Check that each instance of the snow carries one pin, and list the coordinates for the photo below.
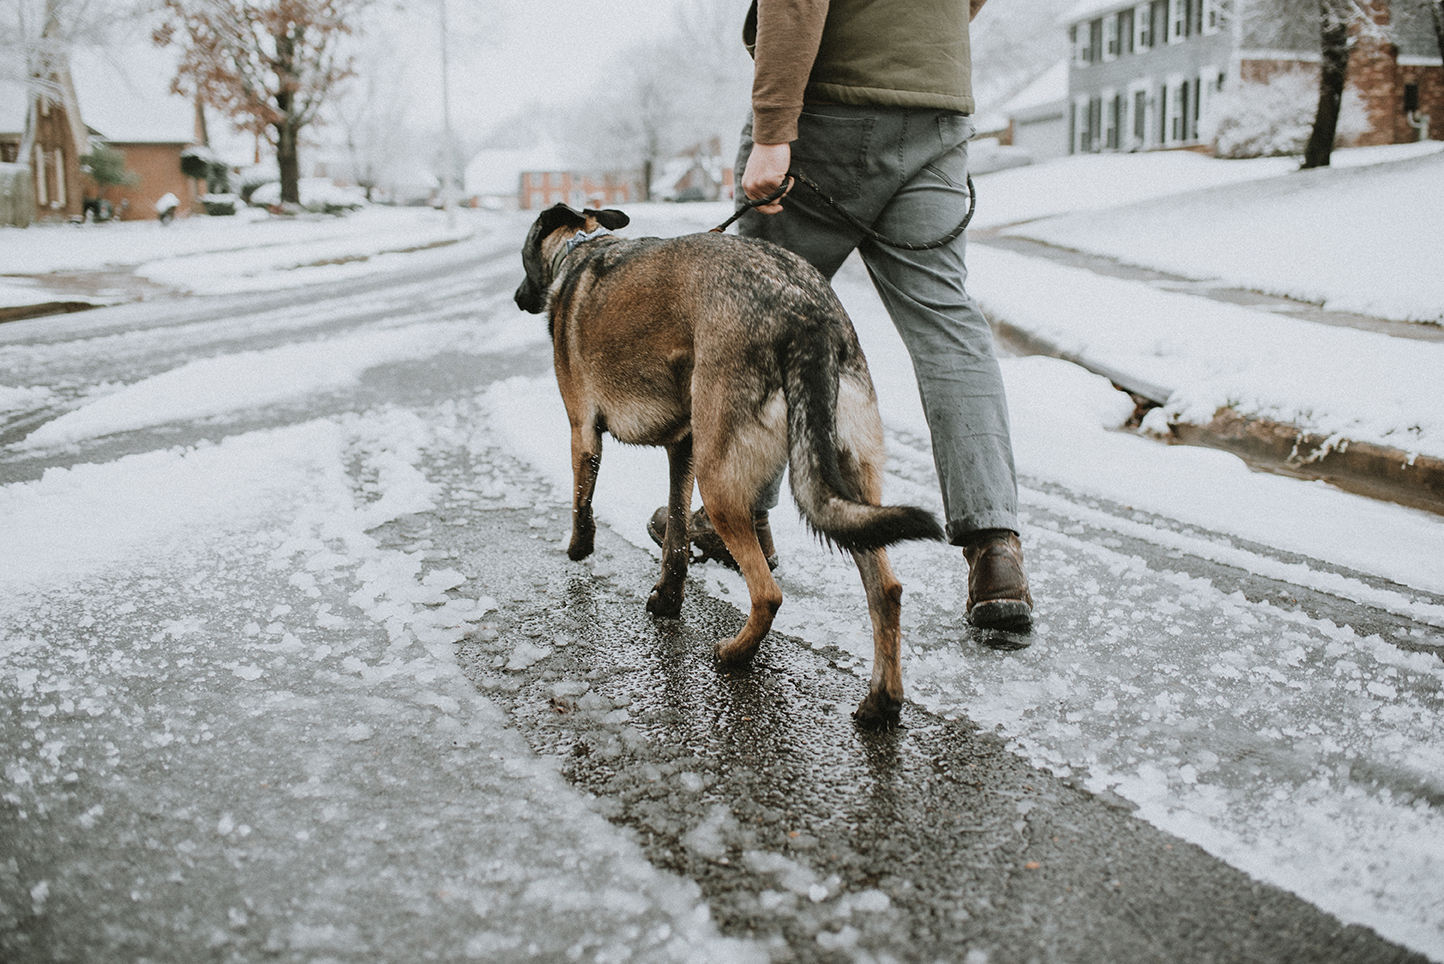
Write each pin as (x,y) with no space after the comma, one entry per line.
(1336,382)
(1302,751)
(250,251)
(1364,239)
(274,521)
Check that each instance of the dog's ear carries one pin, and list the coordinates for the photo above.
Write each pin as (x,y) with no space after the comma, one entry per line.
(560,216)
(610,219)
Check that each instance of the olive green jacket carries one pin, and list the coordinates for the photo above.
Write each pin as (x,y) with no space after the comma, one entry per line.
(891,53)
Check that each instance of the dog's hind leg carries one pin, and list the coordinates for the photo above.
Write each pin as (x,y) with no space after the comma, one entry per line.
(732,519)
(883,703)
(666,598)
(586,460)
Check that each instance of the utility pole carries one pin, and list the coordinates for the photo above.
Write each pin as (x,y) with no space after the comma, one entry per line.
(448,162)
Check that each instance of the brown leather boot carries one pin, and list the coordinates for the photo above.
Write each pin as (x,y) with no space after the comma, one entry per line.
(708,543)
(998,596)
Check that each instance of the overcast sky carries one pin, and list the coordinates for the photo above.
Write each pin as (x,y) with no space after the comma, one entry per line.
(506,54)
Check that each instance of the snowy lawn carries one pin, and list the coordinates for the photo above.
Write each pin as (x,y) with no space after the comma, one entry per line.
(250,251)
(1363,236)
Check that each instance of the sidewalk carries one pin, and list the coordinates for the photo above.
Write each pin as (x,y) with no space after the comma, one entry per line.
(1367,468)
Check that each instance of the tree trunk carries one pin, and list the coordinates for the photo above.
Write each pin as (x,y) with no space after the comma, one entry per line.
(1436,7)
(1333,69)
(289,162)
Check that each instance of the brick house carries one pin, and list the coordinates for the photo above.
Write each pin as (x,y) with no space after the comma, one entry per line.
(43,131)
(119,98)
(1142,74)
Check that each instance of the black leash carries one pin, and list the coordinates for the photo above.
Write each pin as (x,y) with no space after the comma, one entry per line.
(856,222)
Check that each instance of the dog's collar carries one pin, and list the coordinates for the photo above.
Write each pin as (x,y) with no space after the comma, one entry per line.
(571,246)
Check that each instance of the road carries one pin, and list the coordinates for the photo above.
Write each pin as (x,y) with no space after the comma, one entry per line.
(363,708)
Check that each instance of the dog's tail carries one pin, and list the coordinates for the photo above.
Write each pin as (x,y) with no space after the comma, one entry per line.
(835,442)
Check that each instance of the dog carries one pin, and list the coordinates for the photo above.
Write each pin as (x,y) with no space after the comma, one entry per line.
(736,356)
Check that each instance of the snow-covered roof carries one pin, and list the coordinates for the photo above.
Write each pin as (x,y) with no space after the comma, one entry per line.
(12,107)
(124,95)
(1088,9)
(497,172)
(1047,88)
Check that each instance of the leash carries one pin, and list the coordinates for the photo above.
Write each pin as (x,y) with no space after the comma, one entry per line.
(855,221)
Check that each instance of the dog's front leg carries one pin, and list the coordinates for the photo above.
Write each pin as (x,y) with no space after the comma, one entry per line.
(586,460)
(883,703)
(666,598)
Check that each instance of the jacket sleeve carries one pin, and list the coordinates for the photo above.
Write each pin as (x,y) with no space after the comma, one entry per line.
(788,34)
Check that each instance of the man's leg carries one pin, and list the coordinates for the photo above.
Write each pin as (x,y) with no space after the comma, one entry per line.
(956,367)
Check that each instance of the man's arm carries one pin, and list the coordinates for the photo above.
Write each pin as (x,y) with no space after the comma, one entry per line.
(788,34)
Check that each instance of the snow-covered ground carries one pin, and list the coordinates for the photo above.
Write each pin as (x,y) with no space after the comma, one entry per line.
(1361,236)
(250,251)
(1179,731)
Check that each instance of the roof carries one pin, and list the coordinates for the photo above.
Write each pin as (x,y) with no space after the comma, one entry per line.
(12,106)
(1088,9)
(494,173)
(124,95)
(1048,87)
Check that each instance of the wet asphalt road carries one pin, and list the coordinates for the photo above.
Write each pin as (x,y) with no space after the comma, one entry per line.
(976,851)
(926,843)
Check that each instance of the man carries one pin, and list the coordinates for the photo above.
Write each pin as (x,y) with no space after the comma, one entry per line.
(870,100)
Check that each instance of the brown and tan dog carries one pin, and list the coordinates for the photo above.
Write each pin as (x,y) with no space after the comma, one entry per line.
(737,357)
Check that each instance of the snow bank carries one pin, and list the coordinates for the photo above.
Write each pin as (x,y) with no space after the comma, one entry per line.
(1336,382)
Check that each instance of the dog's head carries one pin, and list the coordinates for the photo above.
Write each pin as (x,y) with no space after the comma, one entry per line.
(548,236)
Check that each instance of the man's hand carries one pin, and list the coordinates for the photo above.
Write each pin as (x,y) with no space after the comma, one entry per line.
(973,7)
(766,168)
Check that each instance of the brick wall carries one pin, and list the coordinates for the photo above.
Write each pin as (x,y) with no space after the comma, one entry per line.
(158,166)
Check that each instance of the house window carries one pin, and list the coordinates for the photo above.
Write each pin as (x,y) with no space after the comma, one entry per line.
(1411,98)
(59,158)
(1082,55)
(42,186)
(1125,31)
(1212,16)
(1176,93)
(1210,82)
(1112,107)
(1110,38)
(1142,34)
(1177,21)
(1082,136)
(1137,118)
(1095,41)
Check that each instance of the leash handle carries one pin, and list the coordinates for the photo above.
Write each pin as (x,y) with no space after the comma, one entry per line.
(856,222)
(749,204)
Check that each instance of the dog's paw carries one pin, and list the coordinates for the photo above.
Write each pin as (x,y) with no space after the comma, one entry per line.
(878,711)
(664,604)
(579,550)
(730,652)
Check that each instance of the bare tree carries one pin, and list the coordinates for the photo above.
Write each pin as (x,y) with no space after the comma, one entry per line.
(36,39)
(269,64)
(1335,44)
(1436,11)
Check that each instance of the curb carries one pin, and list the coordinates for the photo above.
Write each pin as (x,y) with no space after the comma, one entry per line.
(1375,471)
(21,312)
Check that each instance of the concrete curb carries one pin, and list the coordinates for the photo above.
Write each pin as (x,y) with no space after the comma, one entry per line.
(1364,468)
(45,308)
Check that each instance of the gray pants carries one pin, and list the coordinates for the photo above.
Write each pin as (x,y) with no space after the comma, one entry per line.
(904,172)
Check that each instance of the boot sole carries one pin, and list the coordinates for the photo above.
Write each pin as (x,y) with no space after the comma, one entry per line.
(710,548)
(1014,614)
